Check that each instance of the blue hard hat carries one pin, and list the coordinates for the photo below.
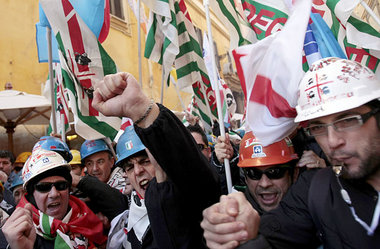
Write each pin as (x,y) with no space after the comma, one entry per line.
(129,144)
(90,147)
(17,181)
(54,144)
(240,132)
(211,140)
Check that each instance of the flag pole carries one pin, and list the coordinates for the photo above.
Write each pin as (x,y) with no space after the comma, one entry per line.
(217,93)
(162,86)
(177,90)
(370,12)
(139,40)
(63,128)
(51,77)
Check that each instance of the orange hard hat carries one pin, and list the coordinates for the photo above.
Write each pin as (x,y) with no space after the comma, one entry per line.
(253,154)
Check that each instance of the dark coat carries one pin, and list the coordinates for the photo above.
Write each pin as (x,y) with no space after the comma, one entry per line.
(294,224)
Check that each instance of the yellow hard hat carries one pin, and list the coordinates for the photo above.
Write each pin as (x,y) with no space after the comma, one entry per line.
(22,157)
(76,157)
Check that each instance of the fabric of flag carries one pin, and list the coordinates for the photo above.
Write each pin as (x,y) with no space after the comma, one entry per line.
(94,13)
(84,61)
(61,101)
(227,110)
(135,8)
(328,45)
(240,31)
(310,47)
(271,70)
(358,40)
(172,40)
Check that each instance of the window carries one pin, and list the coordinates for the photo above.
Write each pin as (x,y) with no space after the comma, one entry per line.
(116,8)
(119,20)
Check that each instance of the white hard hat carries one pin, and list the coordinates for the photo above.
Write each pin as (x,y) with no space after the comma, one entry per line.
(41,161)
(334,85)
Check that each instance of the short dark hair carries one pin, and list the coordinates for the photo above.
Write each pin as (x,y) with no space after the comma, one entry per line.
(198,129)
(7,154)
(373,105)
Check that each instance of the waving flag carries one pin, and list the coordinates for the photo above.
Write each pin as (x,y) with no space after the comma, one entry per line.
(270,71)
(83,61)
(172,40)
(94,13)
(358,40)
(240,31)
(61,100)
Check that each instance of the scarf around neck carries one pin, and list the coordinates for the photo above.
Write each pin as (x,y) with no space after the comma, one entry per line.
(80,227)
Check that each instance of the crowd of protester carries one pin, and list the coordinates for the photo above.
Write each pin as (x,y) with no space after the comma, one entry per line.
(163,185)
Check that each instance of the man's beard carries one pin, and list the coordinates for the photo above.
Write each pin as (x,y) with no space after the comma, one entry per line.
(369,165)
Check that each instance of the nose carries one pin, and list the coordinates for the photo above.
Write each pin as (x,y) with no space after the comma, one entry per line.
(138,168)
(265,182)
(335,139)
(53,192)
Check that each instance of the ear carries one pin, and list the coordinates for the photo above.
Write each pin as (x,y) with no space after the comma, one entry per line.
(296,172)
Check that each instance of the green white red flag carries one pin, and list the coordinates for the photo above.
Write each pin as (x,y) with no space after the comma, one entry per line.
(84,62)
(172,40)
(61,101)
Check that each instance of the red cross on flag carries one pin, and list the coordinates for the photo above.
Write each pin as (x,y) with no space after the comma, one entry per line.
(270,71)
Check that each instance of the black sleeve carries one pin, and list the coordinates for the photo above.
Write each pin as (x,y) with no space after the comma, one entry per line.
(175,150)
(290,225)
(110,201)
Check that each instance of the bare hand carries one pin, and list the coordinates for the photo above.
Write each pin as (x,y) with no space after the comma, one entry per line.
(230,222)
(223,148)
(310,160)
(120,95)
(19,230)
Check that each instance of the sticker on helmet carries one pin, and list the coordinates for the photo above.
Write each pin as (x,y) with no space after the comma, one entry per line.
(129,145)
(258,151)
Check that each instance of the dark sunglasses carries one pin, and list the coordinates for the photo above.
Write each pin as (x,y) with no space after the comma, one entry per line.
(44,187)
(271,173)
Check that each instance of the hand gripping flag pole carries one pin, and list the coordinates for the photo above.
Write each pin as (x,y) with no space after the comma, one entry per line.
(217,93)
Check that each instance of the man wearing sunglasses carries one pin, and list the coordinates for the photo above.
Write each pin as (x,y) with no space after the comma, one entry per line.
(269,171)
(338,206)
(48,216)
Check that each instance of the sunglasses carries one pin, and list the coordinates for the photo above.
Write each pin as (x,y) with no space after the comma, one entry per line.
(45,187)
(271,173)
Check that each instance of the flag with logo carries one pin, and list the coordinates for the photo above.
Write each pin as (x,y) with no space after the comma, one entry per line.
(358,40)
(172,40)
(61,102)
(239,29)
(84,62)
(270,71)
(94,13)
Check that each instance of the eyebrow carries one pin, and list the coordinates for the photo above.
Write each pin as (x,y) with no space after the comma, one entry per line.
(343,115)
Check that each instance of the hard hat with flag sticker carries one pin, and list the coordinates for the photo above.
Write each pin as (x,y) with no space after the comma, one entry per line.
(253,154)
(90,147)
(40,162)
(129,144)
(54,144)
(334,85)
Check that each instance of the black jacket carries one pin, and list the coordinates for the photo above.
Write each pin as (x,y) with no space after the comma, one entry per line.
(174,206)
(309,215)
